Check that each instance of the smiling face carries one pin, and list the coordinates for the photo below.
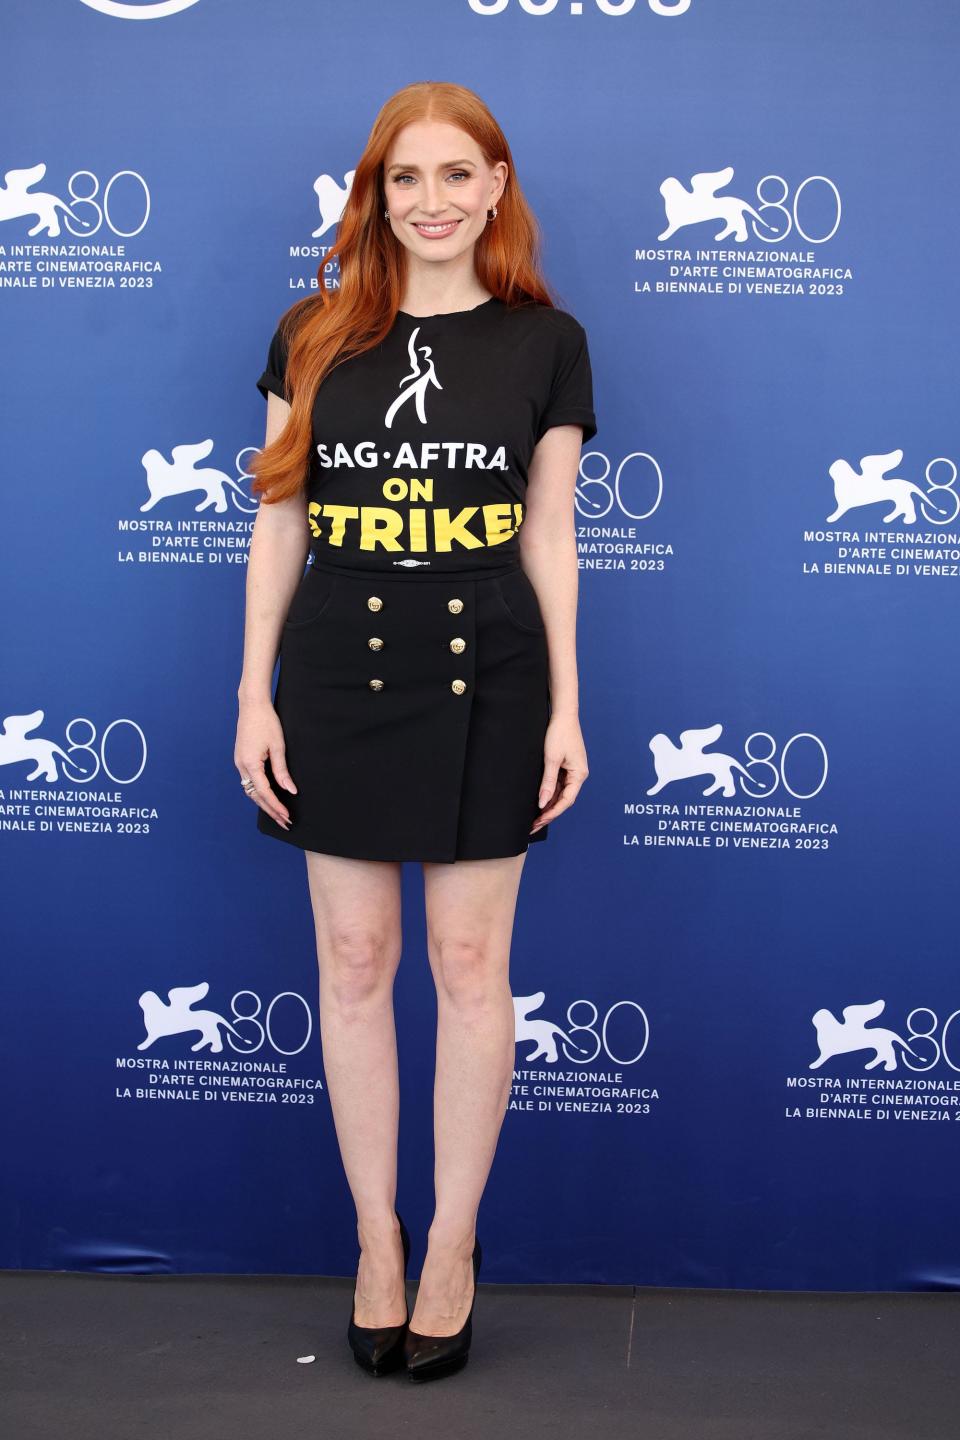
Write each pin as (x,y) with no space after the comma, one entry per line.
(438,188)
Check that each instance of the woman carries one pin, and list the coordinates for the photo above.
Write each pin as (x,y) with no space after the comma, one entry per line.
(424,427)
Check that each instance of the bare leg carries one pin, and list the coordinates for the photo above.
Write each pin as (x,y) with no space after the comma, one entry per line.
(470,909)
(356,909)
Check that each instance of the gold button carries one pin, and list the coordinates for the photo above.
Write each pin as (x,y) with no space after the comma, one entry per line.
(458,686)
(374,603)
(454,606)
(375,684)
(375,643)
(457,645)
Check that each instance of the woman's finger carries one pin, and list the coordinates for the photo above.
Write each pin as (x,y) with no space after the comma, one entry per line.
(569,791)
(262,794)
(278,764)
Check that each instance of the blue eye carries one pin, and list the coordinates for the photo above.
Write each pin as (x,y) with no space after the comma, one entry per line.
(398,178)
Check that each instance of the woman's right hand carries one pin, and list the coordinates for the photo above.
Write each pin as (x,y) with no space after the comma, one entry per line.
(259,736)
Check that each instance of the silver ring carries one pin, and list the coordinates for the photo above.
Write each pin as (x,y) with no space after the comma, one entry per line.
(248,786)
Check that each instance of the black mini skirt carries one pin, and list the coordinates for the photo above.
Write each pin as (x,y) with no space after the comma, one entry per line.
(414,709)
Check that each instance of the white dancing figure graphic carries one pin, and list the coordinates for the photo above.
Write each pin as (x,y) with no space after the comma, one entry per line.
(417,381)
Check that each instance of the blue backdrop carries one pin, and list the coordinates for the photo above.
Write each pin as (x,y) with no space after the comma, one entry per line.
(738,1043)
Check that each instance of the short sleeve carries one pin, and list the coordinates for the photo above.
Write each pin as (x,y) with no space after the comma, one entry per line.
(571,392)
(272,379)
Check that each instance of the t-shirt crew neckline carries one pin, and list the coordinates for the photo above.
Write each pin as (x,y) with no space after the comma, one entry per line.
(451,314)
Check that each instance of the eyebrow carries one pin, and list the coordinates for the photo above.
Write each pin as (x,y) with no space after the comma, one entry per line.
(444,166)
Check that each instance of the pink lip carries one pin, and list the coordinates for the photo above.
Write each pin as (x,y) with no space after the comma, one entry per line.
(426,234)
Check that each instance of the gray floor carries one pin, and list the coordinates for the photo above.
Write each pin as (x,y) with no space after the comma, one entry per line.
(99,1357)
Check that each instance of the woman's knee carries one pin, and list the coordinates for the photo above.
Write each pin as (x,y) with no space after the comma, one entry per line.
(468,970)
(358,962)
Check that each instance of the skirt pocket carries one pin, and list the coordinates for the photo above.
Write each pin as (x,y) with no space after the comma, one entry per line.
(519,600)
(311,598)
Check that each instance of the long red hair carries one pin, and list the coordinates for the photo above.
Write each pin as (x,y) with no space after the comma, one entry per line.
(333,325)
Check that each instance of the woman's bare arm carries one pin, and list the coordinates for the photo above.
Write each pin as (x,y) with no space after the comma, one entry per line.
(548,549)
(275,565)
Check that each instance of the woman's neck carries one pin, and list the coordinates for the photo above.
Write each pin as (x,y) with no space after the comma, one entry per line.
(432,293)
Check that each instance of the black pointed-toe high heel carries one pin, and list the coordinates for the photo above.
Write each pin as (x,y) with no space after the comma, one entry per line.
(379,1348)
(430,1356)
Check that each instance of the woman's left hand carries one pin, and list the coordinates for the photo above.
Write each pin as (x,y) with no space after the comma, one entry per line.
(564,768)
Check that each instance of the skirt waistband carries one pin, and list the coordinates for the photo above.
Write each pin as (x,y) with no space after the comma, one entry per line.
(416,575)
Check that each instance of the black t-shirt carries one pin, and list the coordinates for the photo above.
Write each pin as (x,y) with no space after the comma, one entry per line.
(421,445)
